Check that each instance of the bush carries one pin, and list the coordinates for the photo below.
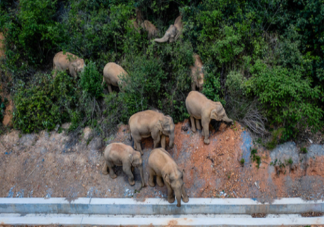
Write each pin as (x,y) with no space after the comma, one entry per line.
(288,98)
(91,80)
(44,102)
(262,59)
(3,103)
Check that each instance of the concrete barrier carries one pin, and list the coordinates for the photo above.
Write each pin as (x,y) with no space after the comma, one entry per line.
(169,220)
(152,206)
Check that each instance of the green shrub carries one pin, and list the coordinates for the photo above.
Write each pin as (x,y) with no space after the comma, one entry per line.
(304,150)
(3,103)
(44,103)
(242,161)
(263,60)
(91,80)
(255,158)
(289,99)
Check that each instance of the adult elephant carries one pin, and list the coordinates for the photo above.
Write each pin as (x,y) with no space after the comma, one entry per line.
(67,61)
(197,75)
(112,74)
(200,107)
(151,123)
(173,32)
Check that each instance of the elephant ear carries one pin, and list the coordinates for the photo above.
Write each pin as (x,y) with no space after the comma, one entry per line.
(159,125)
(75,66)
(134,159)
(166,178)
(217,113)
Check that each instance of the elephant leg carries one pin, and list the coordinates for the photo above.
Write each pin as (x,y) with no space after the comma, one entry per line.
(109,88)
(104,169)
(205,126)
(159,181)
(135,147)
(192,120)
(137,143)
(55,72)
(128,171)
(151,177)
(111,171)
(171,197)
(185,197)
(156,138)
(198,124)
(163,142)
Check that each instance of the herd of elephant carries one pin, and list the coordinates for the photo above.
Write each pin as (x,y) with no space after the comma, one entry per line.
(152,123)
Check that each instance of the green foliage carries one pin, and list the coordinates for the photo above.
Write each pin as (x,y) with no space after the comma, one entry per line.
(255,158)
(288,97)
(304,150)
(289,161)
(3,103)
(91,80)
(277,136)
(212,87)
(44,102)
(242,161)
(262,59)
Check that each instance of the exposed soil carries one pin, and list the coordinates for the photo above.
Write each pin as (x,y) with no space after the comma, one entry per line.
(49,165)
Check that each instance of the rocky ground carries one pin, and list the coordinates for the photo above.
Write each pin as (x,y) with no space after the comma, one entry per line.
(50,164)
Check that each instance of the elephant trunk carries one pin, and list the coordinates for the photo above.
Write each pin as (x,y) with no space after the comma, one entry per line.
(142,175)
(227,120)
(164,39)
(171,140)
(178,196)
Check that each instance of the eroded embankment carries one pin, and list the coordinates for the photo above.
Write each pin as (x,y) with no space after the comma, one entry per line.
(49,165)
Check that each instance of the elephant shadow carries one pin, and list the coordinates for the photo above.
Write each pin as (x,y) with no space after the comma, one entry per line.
(215,124)
(120,174)
(114,89)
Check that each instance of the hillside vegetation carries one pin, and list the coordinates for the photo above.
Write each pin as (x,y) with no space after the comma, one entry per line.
(263,59)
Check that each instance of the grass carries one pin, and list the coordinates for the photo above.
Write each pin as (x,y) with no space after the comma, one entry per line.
(304,150)
(255,158)
(242,161)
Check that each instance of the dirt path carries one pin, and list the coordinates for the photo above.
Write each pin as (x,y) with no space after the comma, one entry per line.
(47,165)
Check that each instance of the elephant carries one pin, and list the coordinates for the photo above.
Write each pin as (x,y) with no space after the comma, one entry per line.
(112,74)
(162,165)
(173,32)
(120,154)
(150,28)
(200,107)
(69,62)
(151,123)
(145,24)
(197,75)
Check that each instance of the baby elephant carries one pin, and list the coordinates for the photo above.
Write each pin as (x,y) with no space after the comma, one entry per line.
(162,165)
(122,155)
(67,61)
(151,123)
(197,75)
(112,74)
(199,107)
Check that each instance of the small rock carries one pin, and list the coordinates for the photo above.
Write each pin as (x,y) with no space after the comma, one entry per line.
(184,128)
(98,164)
(87,133)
